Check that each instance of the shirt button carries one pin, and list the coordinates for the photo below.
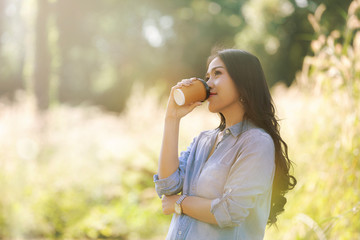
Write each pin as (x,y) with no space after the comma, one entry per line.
(180,232)
(227,131)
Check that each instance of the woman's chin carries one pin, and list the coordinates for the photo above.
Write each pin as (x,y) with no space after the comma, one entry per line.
(212,108)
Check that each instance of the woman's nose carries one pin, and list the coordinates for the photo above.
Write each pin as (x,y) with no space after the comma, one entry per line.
(210,83)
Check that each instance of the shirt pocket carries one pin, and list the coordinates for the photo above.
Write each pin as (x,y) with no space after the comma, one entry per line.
(212,180)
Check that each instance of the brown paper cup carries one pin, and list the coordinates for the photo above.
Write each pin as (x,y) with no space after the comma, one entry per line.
(197,91)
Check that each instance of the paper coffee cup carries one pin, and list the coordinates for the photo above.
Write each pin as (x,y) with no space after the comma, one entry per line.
(197,91)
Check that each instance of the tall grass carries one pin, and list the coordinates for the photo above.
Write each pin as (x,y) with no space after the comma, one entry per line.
(321,122)
(81,172)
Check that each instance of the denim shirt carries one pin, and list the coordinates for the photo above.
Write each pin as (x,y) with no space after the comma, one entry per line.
(237,177)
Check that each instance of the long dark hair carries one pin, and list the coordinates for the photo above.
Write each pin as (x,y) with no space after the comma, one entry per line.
(246,71)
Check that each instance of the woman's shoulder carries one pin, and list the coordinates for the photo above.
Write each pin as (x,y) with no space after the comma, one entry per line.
(257,135)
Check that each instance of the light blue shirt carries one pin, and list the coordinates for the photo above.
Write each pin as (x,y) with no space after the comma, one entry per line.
(237,177)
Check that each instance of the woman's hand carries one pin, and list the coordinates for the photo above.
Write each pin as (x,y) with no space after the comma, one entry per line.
(175,111)
(168,204)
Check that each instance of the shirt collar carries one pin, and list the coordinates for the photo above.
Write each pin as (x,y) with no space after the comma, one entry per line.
(240,127)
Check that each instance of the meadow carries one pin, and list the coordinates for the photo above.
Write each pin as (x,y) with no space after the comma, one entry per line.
(85,173)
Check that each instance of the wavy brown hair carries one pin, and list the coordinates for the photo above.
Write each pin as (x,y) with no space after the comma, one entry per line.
(246,71)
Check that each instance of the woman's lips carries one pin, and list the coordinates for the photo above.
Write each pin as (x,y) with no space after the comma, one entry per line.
(212,94)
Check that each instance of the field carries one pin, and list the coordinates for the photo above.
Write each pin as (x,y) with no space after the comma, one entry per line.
(84,173)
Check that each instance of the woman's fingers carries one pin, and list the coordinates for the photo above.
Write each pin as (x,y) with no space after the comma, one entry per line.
(176,111)
(168,203)
(194,105)
(185,82)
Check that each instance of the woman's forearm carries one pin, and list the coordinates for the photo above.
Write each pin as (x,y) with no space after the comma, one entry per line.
(199,208)
(168,161)
(195,207)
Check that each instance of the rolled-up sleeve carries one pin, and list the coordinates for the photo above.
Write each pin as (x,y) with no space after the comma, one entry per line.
(250,177)
(174,183)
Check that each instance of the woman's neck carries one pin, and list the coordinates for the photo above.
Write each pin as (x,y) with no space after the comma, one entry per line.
(233,115)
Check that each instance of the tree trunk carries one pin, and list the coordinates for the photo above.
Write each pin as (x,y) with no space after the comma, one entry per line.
(2,13)
(64,26)
(42,56)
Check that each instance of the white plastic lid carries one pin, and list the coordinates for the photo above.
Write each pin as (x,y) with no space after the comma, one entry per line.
(179,97)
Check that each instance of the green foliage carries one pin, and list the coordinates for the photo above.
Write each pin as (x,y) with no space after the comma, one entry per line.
(278,31)
(323,130)
(99,49)
(79,172)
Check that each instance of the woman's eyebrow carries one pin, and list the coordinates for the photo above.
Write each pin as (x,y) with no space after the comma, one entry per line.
(214,68)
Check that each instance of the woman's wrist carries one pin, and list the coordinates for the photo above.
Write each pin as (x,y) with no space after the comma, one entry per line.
(170,118)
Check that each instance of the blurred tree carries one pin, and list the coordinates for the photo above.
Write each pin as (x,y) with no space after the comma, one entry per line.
(104,47)
(99,53)
(102,52)
(11,50)
(278,31)
(198,26)
(76,57)
(2,5)
(42,56)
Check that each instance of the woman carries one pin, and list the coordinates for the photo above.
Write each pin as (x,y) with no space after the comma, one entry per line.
(232,179)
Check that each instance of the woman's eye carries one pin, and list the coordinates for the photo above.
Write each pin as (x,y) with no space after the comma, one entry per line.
(216,73)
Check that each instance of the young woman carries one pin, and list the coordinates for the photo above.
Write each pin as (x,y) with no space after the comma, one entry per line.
(232,179)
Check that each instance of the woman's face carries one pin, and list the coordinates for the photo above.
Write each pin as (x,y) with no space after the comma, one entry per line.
(223,92)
